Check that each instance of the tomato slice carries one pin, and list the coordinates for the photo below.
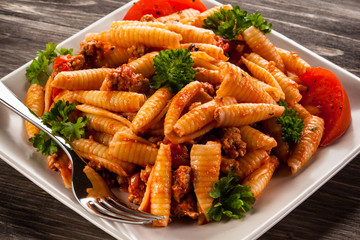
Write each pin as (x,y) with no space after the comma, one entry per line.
(60,63)
(159,8)
(326,93)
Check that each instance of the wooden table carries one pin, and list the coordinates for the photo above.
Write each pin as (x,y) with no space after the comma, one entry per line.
(326,27)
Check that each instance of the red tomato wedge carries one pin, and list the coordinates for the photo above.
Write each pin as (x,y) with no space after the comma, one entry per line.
(159,8)
(326,93)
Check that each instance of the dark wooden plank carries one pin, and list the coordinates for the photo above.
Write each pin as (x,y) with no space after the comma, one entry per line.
(327,27)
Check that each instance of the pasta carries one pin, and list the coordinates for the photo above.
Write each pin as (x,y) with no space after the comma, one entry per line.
(169,148)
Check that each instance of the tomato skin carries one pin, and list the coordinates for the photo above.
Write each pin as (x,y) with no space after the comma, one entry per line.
(159,8)
(60,63)
(326,92)
(179,5)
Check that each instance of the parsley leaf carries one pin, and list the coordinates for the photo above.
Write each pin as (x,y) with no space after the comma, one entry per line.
(230,198)
(291,124)
(39,66)
(231,23)
(44,144)
(174,69)
(58,120)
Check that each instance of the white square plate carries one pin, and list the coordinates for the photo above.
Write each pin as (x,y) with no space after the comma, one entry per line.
(283,194)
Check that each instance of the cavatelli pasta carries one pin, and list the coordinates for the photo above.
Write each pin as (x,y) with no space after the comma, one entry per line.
(237,83)
(150,110)
(250,162)
(178,103)
(115,56)
(259,179)
(133,152)
(245,113)
(129,35)
(35,101)
(203,60)
(99,186)
(210,76)
(161,181)
(255,139)
(89,79)
(288,86)
(260,44)
(205,165)
(212,50)
(293,62)
(48,94)
(127,134)
(309,142)
(272,91)
(103,124)
(98,152)
(191,34)
(174,138)
(144,64)
(117,101)
(102,112)
(200,116)
(263,75)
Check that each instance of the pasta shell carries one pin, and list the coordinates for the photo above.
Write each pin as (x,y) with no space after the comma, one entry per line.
(237,83)
(205,165)
(245,113)
(161,182)
(309,142)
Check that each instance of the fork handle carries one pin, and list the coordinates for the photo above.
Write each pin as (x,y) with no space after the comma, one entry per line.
(8,99)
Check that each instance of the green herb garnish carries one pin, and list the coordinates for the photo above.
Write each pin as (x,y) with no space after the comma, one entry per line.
(58,120)
(231,23)
(39,66)
(291,124)
(230,198)
(174,69)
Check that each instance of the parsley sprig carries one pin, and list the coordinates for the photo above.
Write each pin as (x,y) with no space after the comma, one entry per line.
(39,66)
(231,23)
(174,69)
(291,124)
(231,199)
(58,120)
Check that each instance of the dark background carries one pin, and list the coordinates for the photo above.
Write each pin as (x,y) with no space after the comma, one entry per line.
(329,28)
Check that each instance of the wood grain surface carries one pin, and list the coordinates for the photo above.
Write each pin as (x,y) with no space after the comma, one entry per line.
(330,28)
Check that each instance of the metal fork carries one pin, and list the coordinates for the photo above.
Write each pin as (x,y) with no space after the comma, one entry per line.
(105,207)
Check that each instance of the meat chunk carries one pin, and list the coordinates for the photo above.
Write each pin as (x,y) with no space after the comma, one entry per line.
(136,189)
(181,182)
(186,207)
(145,173)
(222,43)
(93,52)
(124,78)
(232,144)
(208,88)
(179,155)
(227,164)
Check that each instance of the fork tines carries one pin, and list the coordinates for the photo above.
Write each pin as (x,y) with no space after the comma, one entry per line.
(108,208)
